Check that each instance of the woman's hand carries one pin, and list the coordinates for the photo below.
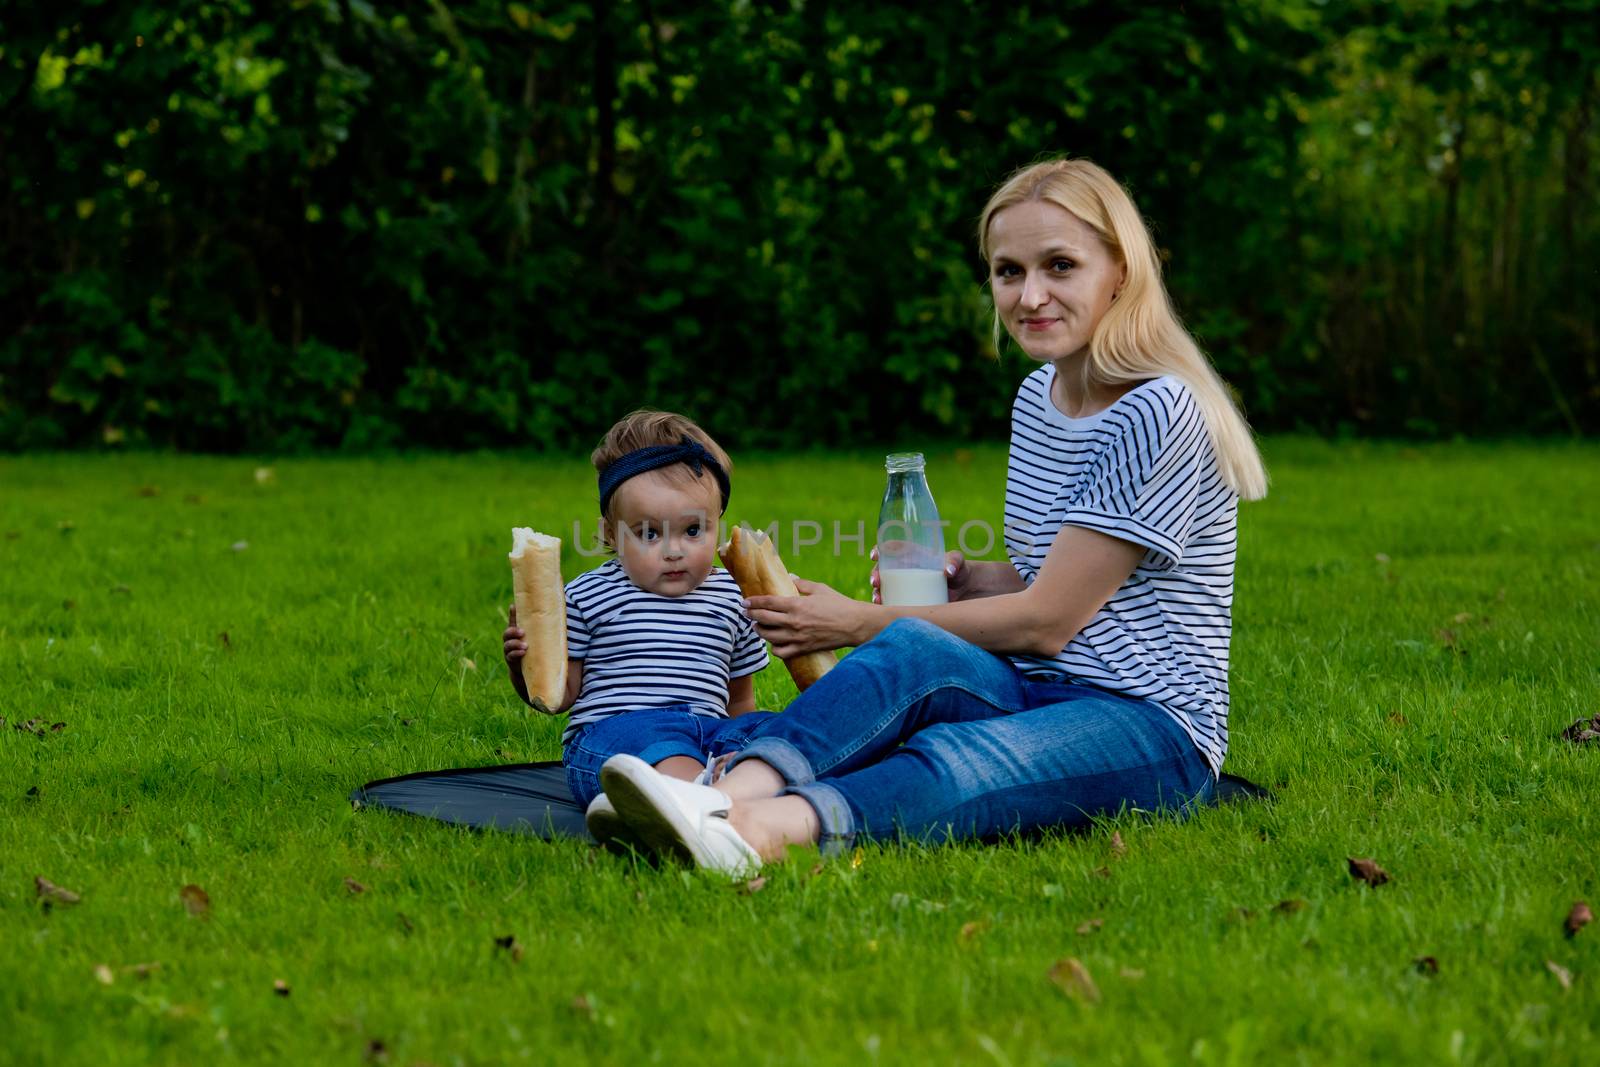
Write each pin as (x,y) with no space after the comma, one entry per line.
(820,619)
(957,575)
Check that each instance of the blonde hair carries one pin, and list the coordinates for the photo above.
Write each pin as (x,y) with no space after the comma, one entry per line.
(646,428)
(1140,336)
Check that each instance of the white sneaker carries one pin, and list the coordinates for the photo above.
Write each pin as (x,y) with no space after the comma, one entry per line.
(679,818)
(606,827)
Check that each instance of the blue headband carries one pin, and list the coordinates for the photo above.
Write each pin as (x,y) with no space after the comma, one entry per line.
(640,460)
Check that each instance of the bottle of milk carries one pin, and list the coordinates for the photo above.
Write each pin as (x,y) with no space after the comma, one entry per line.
(910,538)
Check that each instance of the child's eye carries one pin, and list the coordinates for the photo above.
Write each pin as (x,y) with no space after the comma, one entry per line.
(648,533)
(692,530)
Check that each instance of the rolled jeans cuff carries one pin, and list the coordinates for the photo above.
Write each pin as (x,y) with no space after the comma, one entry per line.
(778,754)
(837,822)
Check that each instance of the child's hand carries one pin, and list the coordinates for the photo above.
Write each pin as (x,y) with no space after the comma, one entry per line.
(515,648)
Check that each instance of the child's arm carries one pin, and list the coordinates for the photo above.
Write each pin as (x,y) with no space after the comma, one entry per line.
(574,683)
(741,695)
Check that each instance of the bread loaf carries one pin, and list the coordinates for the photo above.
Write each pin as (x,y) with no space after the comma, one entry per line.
(754,563)
(541,615)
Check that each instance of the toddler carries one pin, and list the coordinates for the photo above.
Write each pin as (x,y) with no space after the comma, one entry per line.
(661,653)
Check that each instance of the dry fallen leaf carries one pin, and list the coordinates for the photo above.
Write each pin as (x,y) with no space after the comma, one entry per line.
(1132,974)
(280,987)
(1101,872)
(971,930)
(1398,719)
(103,975)
(149,490)
(511,945)
(1461,618)
(141,970)
(1118,847)
(753,886)
(815,870)
(195,899)
(583,1005)
(1563,975)
(1073,979)
(1447,637)
(1288,907)
(1089,926)
(1426,965)
(353,887)
(51,893)
(1579,917)
(1365,870)
(1583,731)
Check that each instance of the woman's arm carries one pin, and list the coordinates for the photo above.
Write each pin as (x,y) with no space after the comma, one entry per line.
(1082,571)
(741,695)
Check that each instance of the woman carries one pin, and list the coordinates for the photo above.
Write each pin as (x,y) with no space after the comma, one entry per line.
(1086,675)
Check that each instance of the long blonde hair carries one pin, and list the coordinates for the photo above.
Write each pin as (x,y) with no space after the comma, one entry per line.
(1139,337)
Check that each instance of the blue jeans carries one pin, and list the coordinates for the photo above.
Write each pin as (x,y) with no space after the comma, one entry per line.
(652,734)
(919,733)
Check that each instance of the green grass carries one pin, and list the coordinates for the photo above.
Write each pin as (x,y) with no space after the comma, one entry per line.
(368,585)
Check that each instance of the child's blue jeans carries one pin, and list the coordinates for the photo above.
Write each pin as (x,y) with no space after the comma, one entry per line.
(652,734)
(920,733)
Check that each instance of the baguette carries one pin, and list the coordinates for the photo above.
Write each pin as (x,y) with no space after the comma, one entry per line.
(542,615)
(754,563)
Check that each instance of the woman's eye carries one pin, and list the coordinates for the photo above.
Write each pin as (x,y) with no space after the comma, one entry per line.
(1008,270)
(1062,265)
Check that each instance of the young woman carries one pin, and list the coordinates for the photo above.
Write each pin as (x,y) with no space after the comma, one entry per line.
(1087,674)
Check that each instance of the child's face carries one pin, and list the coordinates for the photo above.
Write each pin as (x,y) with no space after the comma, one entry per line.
(665,533)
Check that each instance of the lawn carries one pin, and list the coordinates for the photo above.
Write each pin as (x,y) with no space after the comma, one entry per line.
(233,644)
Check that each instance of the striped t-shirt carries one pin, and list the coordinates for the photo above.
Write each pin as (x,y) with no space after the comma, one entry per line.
(644,650)
(1142,470)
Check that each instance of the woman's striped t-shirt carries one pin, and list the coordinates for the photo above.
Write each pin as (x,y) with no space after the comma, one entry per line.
(643,650)
(1142,470)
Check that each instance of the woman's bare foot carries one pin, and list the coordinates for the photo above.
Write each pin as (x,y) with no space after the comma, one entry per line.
(772,824)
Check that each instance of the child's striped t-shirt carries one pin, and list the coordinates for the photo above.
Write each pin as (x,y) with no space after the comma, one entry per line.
(643,650)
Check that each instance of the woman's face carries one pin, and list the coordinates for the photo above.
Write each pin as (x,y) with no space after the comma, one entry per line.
(1051,276)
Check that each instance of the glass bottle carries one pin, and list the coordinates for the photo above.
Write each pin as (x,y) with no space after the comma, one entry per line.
(910,537)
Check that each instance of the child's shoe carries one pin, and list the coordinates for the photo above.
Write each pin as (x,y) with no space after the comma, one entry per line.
(607,828)
(677,818)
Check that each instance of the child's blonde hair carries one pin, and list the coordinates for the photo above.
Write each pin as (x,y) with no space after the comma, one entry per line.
(1140,336)
(647,428)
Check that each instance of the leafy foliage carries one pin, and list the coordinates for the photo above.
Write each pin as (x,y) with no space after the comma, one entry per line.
(231,224)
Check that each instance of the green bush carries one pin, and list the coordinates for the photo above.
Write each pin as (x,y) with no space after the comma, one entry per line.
(235,225)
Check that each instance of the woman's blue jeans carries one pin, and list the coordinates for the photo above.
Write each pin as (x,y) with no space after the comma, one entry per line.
(919,733)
